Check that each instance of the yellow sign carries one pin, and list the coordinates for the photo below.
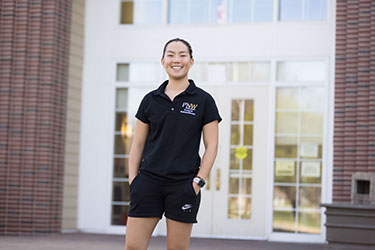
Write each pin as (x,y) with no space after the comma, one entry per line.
(241,152)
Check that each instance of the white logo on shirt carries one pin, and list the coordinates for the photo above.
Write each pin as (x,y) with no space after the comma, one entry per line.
(189,108)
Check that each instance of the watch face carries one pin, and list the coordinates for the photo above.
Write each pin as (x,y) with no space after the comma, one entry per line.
(199,181)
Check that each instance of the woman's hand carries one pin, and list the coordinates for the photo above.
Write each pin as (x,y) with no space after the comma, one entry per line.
(131,179)
(196,187)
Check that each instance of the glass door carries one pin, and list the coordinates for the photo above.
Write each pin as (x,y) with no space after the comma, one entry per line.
(239,193)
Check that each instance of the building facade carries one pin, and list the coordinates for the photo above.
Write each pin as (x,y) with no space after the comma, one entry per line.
(270,67)
(293,81)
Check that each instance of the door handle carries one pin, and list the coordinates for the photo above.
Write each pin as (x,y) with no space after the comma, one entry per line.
(218,179)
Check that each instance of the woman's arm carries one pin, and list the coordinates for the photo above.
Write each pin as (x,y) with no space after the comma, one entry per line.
(136,150)
(210,140)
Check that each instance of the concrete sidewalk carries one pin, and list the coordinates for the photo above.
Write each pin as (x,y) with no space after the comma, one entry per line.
(82,241)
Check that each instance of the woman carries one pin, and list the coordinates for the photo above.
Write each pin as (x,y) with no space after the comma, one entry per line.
(165,170)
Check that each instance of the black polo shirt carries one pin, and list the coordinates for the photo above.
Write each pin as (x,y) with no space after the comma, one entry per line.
(171,151)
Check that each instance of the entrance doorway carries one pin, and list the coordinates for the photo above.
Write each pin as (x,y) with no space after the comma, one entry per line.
(234,203)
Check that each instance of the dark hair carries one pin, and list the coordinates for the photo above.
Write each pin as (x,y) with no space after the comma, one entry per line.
(179,40)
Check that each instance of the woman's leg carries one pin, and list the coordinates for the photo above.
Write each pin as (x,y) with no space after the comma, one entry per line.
(138,232)
(178,235)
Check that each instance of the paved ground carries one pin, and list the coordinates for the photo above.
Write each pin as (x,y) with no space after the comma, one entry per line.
(81,241)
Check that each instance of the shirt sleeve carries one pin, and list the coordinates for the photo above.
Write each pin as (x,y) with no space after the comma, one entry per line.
(211,113)
(141,113)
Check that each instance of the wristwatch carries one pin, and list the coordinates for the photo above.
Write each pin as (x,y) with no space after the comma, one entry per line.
(199,181)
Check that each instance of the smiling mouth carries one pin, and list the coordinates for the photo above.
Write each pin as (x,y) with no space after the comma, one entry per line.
(177,67)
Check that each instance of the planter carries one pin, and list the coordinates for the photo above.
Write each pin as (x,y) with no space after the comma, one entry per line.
(350,223)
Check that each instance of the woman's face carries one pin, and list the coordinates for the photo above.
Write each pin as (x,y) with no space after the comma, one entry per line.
(177,61)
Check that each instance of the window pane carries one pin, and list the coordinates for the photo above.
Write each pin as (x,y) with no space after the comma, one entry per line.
(127,12)
(245,208)
(235,135)
(239,11)
(309,197)
(248,161)
(310,147)
(284,197)
(248,135)
(120,191)
(311,123)
(301,71)
(312,99)
(249,110)
(217,11)
(233,207)
(315,10)
(178,11)
(234,161)
(122,144)
(217,72)
(246,186)
(287,98)
(234,183)
(198,72)
(284,221)
(238,72)
(263,10)
(122,99)
(121,167)
(137,72)
(198,11)
(121,121)
(260,71)
(287,122)
(310,172)
(119,215)
(285,171)
(148,12)
(286,147)
(290,10)
(122,72)
(309,223)
(236,109)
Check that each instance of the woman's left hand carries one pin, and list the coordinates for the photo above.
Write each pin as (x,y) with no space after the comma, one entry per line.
(196,187)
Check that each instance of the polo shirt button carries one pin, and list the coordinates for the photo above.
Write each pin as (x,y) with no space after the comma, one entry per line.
(172,109)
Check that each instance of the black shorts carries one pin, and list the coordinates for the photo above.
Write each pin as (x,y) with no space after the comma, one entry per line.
(152,198)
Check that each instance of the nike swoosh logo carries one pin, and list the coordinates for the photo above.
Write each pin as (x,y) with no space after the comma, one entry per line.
(186,206)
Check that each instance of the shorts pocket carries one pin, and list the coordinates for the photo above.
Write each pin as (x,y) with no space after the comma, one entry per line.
(192,190)
(134,181)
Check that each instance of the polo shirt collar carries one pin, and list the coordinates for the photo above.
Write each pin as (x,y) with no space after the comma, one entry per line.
(191,89)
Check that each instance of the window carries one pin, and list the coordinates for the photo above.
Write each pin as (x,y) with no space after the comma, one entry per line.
(204,72)
(298,160)
(231,72)
(141,11)
(134,72)
(122,72)
(219,11)
(120,182)
(297,10)
(241,159)
(301,71)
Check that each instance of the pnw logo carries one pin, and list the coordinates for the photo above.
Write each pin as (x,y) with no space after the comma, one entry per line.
(186,208)
(189,108)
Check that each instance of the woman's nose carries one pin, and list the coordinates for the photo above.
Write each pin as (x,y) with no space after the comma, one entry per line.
(176,58)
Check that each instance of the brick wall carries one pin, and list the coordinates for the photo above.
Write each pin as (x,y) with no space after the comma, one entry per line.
(354,127)
(73,118)
(34,50)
